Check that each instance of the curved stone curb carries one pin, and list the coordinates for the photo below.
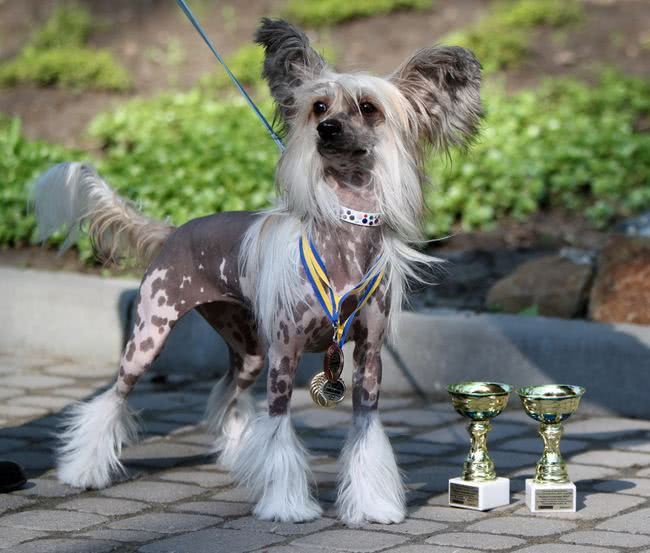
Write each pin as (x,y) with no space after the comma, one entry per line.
(86,318)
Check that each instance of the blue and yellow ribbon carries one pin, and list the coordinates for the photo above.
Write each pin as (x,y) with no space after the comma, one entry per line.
(327,297)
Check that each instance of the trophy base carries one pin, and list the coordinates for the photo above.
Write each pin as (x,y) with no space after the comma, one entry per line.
(545,498)
(479,496)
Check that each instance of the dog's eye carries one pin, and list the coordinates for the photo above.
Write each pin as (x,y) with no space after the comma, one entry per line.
(320,108)
(367,108)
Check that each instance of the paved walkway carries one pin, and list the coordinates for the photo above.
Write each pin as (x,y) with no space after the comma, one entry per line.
(177,499)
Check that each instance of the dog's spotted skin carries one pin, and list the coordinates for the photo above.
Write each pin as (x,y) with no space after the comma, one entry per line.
(198,269)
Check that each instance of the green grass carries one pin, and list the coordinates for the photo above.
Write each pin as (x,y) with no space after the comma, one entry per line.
(317,13)
(501,39)
(56,55)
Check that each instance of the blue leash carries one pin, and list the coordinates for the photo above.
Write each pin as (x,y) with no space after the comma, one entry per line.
(186,9)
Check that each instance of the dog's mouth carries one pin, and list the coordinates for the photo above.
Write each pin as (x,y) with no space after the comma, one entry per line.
(329,149)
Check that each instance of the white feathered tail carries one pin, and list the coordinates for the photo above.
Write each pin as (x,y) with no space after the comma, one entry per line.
(73,195)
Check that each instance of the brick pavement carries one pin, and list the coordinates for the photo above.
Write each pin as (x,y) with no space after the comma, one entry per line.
(178,500)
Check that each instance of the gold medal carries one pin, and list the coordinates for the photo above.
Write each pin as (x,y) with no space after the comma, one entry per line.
(326,393)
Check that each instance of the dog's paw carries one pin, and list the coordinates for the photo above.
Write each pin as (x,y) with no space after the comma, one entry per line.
(380,514)
(282,511)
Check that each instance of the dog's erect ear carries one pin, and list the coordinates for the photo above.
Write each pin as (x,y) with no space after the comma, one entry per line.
(288,62)
(443,85)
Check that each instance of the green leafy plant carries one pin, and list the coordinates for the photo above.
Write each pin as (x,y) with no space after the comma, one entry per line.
(568,145)
(67,26)
(71,67)
(21,160)
(56,55)
(318,13)
(188,154)
(501,39)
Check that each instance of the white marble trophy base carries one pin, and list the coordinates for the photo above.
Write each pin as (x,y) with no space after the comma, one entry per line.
(550,498)
(479,496)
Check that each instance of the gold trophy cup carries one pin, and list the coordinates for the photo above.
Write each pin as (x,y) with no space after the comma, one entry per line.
(550,405)
(478,486)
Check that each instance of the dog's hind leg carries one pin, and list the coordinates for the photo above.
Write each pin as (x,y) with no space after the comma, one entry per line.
(370,485)
(91,443)
(231,407)
(273,463)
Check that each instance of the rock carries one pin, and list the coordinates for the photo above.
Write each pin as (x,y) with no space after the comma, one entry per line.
(635,226)
(621,291)
(558,286)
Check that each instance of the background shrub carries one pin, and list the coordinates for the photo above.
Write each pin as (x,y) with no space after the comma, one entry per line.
(501,38)
(56,55)
(569,145)
(21,161)
(328,12)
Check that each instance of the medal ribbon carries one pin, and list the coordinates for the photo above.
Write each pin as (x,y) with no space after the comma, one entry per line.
(331,303)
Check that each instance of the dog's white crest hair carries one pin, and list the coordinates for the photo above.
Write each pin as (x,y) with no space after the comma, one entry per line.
(70,195)
(91,443)
(273,465)
(269,257)
(227,416)
(370,486)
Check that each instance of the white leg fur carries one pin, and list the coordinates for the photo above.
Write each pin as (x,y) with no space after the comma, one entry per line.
(370,485)
(90,444)
(273,465)
(227,417)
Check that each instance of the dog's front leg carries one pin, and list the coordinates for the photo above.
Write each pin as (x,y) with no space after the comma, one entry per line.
(272,461)
(370,485)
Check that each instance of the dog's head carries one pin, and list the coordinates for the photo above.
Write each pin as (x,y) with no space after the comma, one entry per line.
(357,132)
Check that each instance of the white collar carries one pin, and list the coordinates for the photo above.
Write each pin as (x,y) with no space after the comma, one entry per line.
(361,218)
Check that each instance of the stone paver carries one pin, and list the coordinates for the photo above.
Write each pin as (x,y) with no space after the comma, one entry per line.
(522,527)
(165,523)
(59,521)
(216,540)
(476,541)
(155,492)
(180,500)
(64,546)
(10,502)
(618,459)
(416,527)
(603,538)
(637,522)
(9,537)
(210,479)
(430,549)
(353,541)
(43,487)
(633,486)
(103,506)
(127,536)
(252,524)
(593,506)
(563,548)
(217,508)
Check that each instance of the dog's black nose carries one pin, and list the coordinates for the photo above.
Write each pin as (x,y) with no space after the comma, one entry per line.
(329,129)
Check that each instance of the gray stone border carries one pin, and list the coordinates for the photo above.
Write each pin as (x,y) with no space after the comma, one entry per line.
(85,318)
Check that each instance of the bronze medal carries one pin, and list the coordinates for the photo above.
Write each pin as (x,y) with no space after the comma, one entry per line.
(333,362)
(326,393)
